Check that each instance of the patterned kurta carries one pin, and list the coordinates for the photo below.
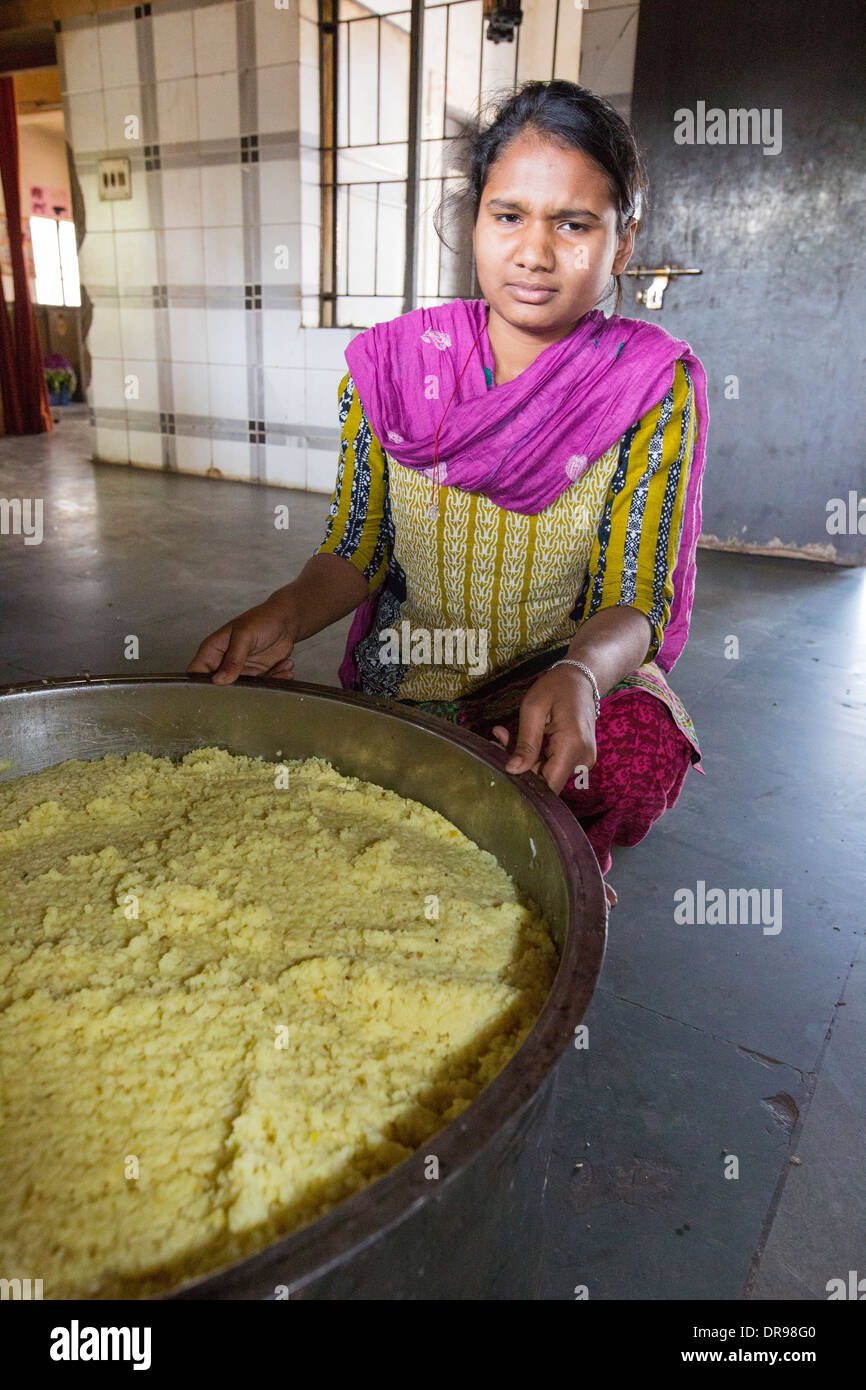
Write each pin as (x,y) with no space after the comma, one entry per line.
(475,589)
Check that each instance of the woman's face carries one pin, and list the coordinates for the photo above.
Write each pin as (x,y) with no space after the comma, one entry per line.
(547,219)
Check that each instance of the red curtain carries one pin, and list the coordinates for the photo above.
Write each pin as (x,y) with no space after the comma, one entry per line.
(25,394)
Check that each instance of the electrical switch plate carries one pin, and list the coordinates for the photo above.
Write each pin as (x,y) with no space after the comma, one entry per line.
(115,180)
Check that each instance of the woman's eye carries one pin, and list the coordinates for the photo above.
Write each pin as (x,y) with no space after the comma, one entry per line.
(579,226)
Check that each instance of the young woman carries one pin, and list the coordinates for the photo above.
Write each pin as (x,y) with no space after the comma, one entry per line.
(522,475)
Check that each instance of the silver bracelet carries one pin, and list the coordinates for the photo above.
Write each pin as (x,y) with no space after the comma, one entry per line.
(567,661)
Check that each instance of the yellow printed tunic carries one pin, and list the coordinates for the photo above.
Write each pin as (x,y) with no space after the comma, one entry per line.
(514,585)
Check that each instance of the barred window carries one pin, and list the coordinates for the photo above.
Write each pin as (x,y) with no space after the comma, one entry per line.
(399,78)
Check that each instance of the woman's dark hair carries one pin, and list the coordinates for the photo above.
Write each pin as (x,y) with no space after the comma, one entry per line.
(556,110)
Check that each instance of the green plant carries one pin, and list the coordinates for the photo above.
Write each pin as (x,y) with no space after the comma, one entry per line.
(58,377)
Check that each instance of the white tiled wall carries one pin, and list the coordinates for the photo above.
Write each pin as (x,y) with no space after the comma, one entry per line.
(179,375)
(173,44)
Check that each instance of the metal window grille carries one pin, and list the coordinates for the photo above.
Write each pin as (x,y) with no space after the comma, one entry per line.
(399,77)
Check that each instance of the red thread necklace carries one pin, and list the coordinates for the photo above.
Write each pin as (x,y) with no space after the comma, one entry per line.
(433,509)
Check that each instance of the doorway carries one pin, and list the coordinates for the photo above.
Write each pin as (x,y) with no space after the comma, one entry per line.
(50,235)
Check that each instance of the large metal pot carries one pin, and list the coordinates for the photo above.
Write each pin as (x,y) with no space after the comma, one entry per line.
(475,1231)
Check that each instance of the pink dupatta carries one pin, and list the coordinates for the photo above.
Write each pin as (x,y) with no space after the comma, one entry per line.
(523,443)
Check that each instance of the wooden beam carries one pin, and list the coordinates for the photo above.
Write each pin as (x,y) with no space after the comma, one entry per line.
(33,47)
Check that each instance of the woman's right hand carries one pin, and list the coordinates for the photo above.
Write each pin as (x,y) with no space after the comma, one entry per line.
(258,642)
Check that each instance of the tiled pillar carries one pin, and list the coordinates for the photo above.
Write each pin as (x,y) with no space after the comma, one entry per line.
(199,281)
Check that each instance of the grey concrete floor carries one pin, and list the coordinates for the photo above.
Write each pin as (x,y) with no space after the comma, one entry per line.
(705,1040)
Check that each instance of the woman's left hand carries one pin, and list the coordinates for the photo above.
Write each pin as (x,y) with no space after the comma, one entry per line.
(556,731)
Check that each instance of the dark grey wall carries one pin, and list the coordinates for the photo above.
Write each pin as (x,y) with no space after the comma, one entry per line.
(780,239)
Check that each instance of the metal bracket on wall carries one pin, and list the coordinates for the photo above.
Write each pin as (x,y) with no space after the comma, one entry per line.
(653,296)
